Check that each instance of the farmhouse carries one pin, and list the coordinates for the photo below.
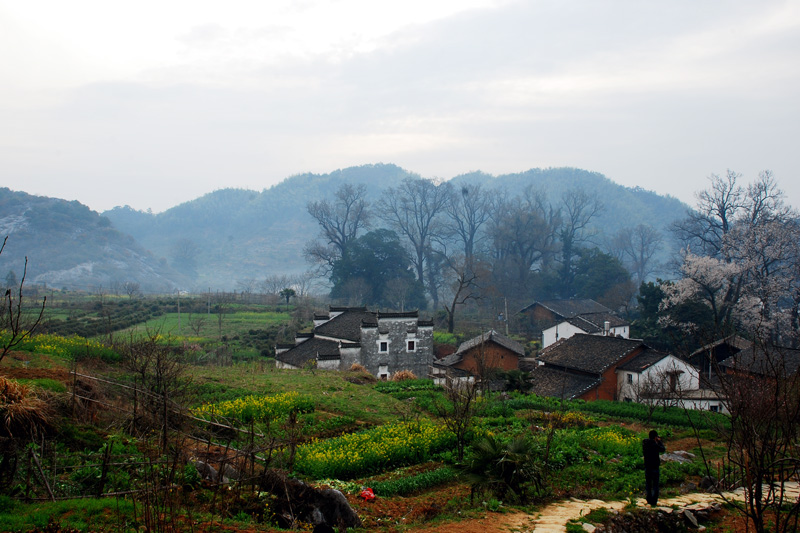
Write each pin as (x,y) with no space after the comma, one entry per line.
(561,319)
(658,378)
(477,356)
(384,343)
(583,366)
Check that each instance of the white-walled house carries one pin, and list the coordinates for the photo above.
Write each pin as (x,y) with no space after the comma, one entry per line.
(609,325)
(562,319)
(659,377)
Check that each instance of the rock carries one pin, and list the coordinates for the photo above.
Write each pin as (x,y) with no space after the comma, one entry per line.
(690,518)
(589,527)
(708,483)
(230,472)
(688,487)
(206,471)
(675,458)
(315,506)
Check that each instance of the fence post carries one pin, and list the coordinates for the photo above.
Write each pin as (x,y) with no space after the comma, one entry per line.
(41,473)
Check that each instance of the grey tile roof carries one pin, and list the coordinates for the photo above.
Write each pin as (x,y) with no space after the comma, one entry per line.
(773,361)
(571,308)
(588,353)
(547,381)
(492,336)
(449,360)
(308,350)
(595,322)
(643,361)
(346,326)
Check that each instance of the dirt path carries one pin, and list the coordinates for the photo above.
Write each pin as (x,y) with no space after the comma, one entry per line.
(554,517)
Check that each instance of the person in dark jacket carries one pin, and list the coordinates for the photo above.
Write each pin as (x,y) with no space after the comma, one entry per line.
(651,448)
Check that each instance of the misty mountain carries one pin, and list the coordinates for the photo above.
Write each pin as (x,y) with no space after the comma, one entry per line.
(236,234)
(69,245)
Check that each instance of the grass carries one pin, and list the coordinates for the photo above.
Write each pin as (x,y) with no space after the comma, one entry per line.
(233,324)
(47,384)
(78,514)
(331,392)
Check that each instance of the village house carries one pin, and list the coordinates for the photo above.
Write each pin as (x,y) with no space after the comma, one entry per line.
(708,357)
(583,367)
(659,378)
(591,367)
(477,357)
(561,319)
(384,343)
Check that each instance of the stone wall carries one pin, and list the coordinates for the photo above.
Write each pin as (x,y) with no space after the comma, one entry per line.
(394,335)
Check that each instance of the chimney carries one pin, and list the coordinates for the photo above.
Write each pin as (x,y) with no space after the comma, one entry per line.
(606,327)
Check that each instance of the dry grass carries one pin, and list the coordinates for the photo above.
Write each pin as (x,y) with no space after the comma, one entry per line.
(403,375)
(355,367)
(22,412)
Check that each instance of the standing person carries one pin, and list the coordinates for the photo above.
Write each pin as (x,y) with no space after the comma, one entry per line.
(651,448)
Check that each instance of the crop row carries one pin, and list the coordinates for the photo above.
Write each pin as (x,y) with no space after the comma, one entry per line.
(373,450)
(256,408)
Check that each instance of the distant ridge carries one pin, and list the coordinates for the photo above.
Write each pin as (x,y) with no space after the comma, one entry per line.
(236,234)
(245,234)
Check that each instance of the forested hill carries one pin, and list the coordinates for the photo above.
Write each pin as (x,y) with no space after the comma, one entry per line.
(69,245)
(234,234)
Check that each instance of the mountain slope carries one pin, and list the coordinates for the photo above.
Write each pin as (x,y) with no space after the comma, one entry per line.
(69,245)
(236,234)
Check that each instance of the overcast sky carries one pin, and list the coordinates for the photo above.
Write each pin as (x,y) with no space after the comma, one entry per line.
(153,103)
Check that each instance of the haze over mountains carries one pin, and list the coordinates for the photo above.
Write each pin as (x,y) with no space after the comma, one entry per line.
(235,234)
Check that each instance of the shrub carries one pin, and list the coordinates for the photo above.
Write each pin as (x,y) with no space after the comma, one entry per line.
(355,367)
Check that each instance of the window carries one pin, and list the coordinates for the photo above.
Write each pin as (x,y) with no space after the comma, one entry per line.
(713,408)
(630,378)
(383,346)
(628,400)
(411,346)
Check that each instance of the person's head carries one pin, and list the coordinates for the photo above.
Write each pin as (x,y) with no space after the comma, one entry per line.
(653,434)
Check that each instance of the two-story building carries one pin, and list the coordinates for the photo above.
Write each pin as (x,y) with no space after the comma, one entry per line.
(384,343)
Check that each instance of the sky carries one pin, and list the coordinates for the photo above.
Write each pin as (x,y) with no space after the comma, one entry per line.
(155,103)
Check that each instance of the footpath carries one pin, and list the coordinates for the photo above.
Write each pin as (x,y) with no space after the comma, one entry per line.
(553,518)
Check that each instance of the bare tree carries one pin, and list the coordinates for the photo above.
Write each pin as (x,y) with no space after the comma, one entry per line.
(464,276)
(523,233)
(196,322)
(578,208)
(18,322)
(457,409)
(131,288)
(222,306)
(414,209)
(275,283)
(339,223)
(247,286)
(304,283)
(636,248)
(468,210)
(761,391)
(160,376)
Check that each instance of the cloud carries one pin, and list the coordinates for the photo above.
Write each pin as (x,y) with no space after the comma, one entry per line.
(657,95)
